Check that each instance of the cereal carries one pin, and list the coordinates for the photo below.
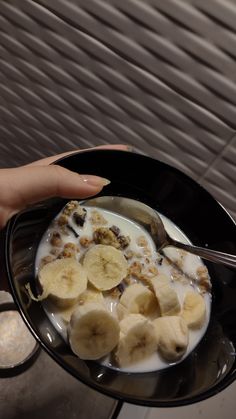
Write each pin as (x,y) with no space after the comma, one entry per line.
(135,269)
(147,251)
(67,253)
(62,220)
(85,241)
(56,239)
(178,276)
(202,272)
(124,241)
(110,237)
(153,270)
(103,235)
(203,279)
(115,230)
(147,274)
(70,207)
(79,216)
(179,263)
(129,254)
(72,247)
(142,241)
(97,218)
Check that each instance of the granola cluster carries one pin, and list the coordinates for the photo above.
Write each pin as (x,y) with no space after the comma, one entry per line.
(203,279)
(142,271)
(85,241)
(56,239)
(70,207)
(79,216)
(142,242)
(97,218)
(111,237)
(70,251)
(177,275)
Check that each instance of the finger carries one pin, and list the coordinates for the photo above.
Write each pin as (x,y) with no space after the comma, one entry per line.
(27,185)
(49,160)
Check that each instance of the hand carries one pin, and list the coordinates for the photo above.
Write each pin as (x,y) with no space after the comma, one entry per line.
(34,182)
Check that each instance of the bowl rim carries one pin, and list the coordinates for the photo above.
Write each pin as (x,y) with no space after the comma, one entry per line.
(111,393)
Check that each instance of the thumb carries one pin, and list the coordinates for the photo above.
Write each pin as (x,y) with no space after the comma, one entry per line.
(29,184)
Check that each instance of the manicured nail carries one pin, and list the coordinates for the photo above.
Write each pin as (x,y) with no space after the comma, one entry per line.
(95,180)
(105,181)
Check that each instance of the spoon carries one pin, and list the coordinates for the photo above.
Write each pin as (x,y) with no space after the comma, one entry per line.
(150,220)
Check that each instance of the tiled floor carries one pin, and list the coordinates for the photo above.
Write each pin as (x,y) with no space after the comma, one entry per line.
(46,391)
(219,178)
(217,407)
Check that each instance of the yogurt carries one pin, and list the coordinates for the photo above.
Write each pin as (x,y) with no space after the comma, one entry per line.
(169,264)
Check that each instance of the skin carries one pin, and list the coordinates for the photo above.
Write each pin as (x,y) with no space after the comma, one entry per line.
(34,182)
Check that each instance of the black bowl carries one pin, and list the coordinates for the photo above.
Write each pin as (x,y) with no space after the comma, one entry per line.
(212,365)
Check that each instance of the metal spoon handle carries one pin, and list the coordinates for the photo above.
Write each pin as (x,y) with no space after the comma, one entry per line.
(150,220)
(212,255)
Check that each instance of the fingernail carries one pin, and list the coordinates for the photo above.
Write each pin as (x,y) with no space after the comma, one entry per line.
(105,181)
(95,180)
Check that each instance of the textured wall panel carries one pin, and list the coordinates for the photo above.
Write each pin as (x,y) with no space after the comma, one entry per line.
(220,178)
(159,75)
(154,43)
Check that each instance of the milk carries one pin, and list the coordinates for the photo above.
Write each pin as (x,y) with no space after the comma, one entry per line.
(133,230)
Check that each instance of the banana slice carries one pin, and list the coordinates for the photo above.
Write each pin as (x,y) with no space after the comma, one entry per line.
(63,280)
(166,295)
(194,310)
(137,340)
(93,331)
(106,266)
(90,295)
(137,299)
(172,337)
(66,312)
